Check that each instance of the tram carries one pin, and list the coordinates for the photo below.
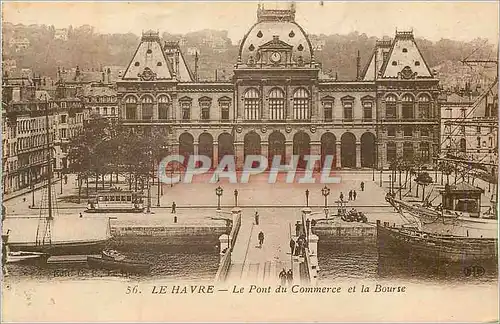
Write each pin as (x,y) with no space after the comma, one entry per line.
(116,201)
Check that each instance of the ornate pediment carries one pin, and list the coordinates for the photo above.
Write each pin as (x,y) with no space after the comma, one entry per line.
(407,73)
(147,75)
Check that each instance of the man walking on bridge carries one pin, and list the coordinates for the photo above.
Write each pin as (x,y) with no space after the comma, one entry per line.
(261,238)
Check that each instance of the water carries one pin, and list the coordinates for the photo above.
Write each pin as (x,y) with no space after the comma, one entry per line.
(362,261)
(351,261)
(167,262)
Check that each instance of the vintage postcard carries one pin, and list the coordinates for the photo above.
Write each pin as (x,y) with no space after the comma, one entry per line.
(317,161)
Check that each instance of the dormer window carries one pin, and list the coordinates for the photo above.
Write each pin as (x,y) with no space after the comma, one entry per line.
(251,48)
(137,64)
(158,64)
(417,63)
(405,50)
(300,48)
(292,34)
(149,51)
(259,34)
(394,63)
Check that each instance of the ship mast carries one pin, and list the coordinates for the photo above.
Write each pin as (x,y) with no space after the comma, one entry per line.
(49,160)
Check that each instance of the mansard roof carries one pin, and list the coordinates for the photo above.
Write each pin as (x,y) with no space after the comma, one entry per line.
(400,58)
(178,62)
(149,61)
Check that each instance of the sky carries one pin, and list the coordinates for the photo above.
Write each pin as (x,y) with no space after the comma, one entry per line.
(431,20)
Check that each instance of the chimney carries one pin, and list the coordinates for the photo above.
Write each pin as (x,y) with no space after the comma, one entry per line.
(108,72)
(358,66)
(196,66)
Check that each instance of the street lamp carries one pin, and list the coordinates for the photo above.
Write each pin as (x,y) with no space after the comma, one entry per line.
(325,191)
(390,184)
(307,197)
(235,197)
(218,192)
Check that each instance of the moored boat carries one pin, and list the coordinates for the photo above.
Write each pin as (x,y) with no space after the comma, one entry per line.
(112,260)
(27,257)
(427,245)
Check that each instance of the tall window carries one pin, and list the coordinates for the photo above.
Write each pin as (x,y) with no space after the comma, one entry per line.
(407,106)
(328,110)
(391,131)
(185,109)
(425,153)
(252,104)
(276,104)
(131,107)
(301,104)
(424,106)
(163,107)
(348,115)
(391,151)
(367,110)
(147,107)
(408,151)
(224,109)
(205,104)
(390,107)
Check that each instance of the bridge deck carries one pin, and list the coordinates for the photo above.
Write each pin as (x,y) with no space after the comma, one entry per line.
(251,263)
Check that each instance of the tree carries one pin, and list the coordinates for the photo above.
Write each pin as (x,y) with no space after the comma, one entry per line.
(423,179)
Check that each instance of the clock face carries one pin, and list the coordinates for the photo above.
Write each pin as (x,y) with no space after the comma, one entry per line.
(275,57)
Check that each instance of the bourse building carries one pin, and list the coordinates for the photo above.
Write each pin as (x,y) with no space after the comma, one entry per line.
(279,102)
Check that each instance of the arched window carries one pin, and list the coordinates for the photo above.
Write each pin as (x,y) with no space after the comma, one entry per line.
(130,107)
(407,106)
(390,106)
(301,104)
(163,107)
(424,106)
(252,104)
(147,107)
(276,104)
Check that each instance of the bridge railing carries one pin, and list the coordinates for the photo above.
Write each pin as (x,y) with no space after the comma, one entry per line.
(225,261)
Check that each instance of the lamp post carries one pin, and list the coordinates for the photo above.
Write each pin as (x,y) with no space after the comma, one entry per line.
(307,197)
(61,179)
(235,197)
(218,192)
(390,184)
(326,192)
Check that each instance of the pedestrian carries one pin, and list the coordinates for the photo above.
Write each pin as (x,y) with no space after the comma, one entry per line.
(289,276)
(354,194)
(261,238)
(292,246)
(24,199)
(283,276)
(362,186)
(81,215)
(65,179)
(173,207)
(341,196)
(256,218)
(350,194)
(297,228)
(308,224)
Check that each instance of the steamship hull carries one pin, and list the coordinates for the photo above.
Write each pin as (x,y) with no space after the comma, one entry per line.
(431,246)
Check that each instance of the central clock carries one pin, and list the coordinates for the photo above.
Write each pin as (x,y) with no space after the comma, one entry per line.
(275,57)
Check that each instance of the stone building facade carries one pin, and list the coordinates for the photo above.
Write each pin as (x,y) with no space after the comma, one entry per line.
(279,103)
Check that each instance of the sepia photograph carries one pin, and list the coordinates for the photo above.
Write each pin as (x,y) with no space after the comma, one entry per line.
(258,161)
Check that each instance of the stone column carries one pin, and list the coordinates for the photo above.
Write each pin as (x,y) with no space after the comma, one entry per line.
(358,154)
(215,154)
(264,148)
(155,110)
(296,269)
(316,150)
(239,153)
(338,154)
(195,149)
(288,151)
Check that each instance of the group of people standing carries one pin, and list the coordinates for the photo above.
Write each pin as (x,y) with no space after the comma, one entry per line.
(352,193)
(286,277)
(298,247)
